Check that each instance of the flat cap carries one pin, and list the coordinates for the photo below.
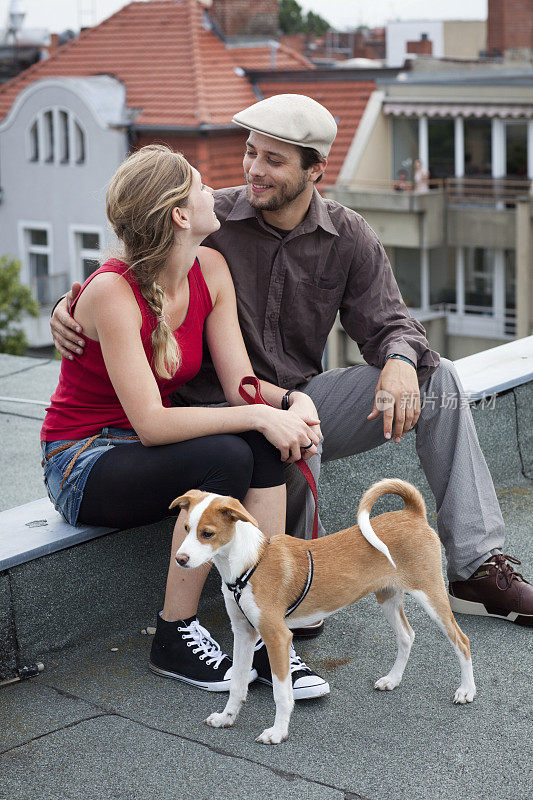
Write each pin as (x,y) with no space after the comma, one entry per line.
(293,118)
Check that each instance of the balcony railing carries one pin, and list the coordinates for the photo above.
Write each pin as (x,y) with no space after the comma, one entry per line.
(48,288)
(504,323)
(398,185)
(499,192)
(495,192)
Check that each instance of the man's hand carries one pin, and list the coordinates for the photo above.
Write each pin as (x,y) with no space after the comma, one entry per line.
(397,395)
(65,329)
(302,405)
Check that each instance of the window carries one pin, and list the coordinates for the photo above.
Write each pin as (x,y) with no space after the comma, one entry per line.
(441,137)
(510,279)
(48,120)
(405,145)
(87,245)
(64,144)
(38,251)
(79,143)
(479,280)
(441,276)
(407,274)
(478,148)
(516,150)
(34,142)
(510,291)
(60,135)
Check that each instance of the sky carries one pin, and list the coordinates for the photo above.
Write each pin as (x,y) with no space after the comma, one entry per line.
(58,15)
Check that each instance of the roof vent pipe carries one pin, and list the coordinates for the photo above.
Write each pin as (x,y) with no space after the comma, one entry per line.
(274,47)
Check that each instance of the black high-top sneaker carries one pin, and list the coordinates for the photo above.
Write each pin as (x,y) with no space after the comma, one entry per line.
(306,683)
(186,651)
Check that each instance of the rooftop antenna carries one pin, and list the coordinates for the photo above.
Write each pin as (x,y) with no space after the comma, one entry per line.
(15,18)
(86,13)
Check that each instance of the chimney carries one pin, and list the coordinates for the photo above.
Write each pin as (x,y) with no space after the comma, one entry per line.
(510,29)
(245,18)
(422,47)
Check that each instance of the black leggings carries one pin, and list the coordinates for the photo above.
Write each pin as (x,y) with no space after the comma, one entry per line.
(133,485)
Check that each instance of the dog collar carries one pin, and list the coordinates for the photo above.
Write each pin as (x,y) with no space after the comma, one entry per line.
(240,584)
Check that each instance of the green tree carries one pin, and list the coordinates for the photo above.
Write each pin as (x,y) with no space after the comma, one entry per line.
(15,301)
(290,17)
(316,24)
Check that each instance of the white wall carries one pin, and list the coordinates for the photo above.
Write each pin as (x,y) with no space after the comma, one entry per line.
(399,33)
(58,196)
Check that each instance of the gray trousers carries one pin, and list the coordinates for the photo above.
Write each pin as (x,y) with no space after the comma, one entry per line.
(469,520)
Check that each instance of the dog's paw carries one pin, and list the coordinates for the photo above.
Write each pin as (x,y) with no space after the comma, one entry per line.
(223,720)
(273,736)
(464,695)
(387,683)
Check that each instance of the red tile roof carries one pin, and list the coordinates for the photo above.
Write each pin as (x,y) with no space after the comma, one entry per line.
(260,58)
(346,99)
(175,71)
(178,73)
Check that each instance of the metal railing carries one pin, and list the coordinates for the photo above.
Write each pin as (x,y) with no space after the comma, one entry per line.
(507,321)
(499,192)
(397,185)
(486,191)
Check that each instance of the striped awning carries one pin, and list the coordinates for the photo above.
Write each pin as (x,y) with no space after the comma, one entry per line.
(503,110)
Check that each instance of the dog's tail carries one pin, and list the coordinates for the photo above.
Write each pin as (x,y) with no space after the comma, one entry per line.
(410,495)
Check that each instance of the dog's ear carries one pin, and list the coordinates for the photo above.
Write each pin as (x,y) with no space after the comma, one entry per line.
(185,500)
(235,511)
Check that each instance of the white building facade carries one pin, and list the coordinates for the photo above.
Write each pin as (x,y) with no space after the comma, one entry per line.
(59,145)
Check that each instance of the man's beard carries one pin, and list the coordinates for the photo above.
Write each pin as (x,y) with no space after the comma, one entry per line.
(282,198)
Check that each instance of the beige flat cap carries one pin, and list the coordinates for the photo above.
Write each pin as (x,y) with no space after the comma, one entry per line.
(293,118)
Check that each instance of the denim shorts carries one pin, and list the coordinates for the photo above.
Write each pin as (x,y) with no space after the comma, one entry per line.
(66,472)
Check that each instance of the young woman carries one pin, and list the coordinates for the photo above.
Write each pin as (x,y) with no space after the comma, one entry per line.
(114,451)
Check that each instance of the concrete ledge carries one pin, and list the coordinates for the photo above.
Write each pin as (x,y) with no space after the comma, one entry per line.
(36,529)
(497,369)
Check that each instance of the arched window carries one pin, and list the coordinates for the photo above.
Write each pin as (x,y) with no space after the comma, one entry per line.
(64,143)
(79,143)
(48,119)
(56,136)
(34,142)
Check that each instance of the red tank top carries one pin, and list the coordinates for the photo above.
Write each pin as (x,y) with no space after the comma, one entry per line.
(85,400)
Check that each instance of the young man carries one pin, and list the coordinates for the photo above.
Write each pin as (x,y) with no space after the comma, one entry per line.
(296,260)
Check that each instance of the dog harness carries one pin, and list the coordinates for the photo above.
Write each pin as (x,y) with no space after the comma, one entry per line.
(240,584)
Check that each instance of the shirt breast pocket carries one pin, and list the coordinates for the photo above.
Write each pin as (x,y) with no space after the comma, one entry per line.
(309,318)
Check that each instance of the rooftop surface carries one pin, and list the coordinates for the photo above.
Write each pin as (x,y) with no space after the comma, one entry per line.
(97,724)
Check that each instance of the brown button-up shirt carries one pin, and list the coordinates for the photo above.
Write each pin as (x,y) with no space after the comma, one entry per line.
(290,288)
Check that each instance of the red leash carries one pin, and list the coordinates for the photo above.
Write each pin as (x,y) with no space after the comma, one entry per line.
(258,399)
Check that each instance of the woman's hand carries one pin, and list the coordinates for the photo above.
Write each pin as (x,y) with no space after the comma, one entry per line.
(65,330)
(288,432)
(302,405)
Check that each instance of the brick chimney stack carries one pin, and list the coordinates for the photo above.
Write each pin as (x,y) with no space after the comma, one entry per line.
(510,29)
(245,18)
(421,47)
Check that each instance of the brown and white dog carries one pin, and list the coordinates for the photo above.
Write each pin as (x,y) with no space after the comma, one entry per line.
(341,568)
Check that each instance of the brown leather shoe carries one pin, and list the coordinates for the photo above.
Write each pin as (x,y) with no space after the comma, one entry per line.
(309,632)
(495,590)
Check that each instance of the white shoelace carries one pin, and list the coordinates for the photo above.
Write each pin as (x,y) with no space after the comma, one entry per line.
(296,662)
(205,644)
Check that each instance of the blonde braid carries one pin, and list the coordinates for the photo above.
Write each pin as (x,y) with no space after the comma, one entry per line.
(140,198)
(167,354)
